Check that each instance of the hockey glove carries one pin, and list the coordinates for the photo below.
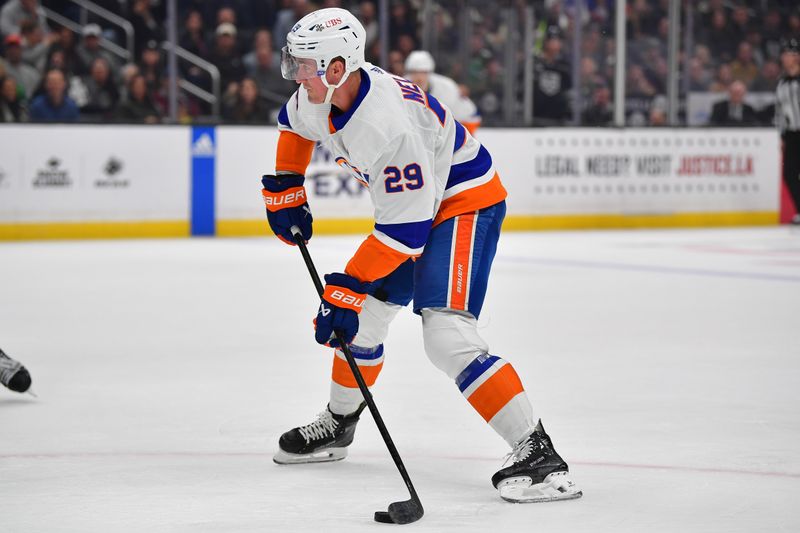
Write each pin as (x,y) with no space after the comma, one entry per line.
(287,206)
(341,303)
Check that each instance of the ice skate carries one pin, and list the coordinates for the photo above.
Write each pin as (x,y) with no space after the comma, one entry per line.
(538,473)
(13,375)
(323,440)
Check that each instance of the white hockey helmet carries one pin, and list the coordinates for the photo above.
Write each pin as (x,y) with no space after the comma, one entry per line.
(319,38)
(420,61)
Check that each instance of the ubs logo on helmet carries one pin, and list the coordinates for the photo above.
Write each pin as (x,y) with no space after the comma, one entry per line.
(327,24)
(296,27)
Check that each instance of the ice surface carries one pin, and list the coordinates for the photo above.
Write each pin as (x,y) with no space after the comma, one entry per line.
(665,365)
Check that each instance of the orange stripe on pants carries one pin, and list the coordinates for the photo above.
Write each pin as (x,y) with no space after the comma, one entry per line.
(460,261)
(496,392)
(344,376)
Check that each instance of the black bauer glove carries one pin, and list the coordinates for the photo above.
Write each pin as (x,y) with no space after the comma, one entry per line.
(287,206)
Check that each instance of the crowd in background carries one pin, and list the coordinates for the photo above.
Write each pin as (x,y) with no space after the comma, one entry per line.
(50,73)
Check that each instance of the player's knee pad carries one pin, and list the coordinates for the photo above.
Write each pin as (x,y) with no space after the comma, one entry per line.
(451,339)
(373,322)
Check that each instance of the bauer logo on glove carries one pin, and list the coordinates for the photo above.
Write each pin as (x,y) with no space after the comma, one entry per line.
(287,205)
(341,303)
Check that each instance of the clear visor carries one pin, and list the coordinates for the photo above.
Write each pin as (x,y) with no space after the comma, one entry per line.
(297,68)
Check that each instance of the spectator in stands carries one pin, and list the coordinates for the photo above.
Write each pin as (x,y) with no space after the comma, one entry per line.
(12,105)
(102,93)
(767,80)
(35,44)
(744,67)
(225,56)
(718,37)
(26,76)
(146,27)
(723,79)
(639,97)
(65,42)
(552,81)
(193,38)
(734,111)
(368,17)
(90,49)
(699,77)
(267,74)
(771,35)
(151,67)
(138,107)
(261,39)
(127,73)
(401,22)
(247,107)
(287,18)
(657,118)
(600,112)
(740,23)
(15,12)
(54,105)
(396,62)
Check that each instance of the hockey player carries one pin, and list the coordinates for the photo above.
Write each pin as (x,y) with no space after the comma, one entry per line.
(13,375)
(419,69)
(438,205)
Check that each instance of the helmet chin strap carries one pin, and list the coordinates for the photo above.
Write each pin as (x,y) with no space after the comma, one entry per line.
(332,88)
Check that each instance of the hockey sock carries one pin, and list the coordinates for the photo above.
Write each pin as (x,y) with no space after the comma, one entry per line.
(492,386)
(345,395)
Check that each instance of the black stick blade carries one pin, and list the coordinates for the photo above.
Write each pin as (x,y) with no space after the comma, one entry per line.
(401,513)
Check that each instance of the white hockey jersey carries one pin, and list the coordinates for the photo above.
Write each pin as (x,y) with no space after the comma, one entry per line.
(421,166)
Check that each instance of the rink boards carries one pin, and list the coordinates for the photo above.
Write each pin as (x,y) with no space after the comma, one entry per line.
(87,181)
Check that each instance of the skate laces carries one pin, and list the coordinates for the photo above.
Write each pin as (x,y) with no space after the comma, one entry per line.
(524,448)
(319,428)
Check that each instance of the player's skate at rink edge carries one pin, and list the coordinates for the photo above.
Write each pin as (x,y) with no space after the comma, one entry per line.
(439,206)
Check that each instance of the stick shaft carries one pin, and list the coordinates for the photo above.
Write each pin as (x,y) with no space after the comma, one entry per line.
(373,409)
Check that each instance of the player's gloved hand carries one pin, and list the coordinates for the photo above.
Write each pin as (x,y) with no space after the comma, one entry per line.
(341,303)
(287,206)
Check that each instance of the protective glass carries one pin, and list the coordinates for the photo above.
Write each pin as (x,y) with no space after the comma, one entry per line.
(297,68)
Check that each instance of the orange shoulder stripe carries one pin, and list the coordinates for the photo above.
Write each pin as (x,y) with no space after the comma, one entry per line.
(488,194)
(294,153)
(374,260)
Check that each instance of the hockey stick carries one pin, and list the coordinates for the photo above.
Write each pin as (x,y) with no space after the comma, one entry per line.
(403,512)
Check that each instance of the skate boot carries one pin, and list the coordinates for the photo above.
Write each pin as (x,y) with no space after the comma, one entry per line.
(538,473)
(13,375)
(325,439)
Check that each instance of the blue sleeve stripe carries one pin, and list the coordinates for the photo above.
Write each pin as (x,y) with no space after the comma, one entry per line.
(478,366)
(410,234)
(468,170)
(283,117)
(461,136)
(436,107)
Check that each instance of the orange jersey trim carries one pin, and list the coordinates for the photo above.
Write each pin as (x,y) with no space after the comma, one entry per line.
(294,153)
(474,199)
(460,277)
(342,374)
(292,197)
(374,260)
(472,127)
(344,297)
(496,392)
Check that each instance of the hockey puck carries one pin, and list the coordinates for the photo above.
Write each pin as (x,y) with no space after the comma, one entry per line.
(383,517)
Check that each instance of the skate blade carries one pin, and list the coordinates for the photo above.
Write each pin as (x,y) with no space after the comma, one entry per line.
(555,487)
(322,456)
